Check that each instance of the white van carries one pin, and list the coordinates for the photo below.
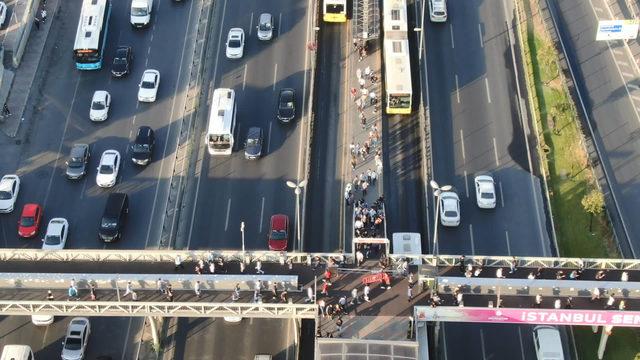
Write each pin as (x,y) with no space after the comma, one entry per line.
(438,10)
(17,352)
(141,12)
(548,343)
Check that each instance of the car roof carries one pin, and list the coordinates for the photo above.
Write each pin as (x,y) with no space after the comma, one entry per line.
(265,17)
(235,32)
(149,75)
(55,225)
(78,322)
(29,209)
(286,92)
(109,155)
(254,132)
(100,94)
(6,183)
(78,150)
(144,133)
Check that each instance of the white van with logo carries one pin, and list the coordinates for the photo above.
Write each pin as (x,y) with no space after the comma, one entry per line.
(17,352)
(548,343)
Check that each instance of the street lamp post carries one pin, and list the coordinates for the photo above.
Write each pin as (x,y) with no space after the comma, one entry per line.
(437,190)
(242,231)
(297,189)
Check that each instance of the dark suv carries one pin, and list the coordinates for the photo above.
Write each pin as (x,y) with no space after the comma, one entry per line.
(286,105)
(113,218)
(122,61)
(142,148)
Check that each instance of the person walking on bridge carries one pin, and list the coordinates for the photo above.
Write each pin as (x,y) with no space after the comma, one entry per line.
(197,289)
(178,263)
(128,289)
(309,294)
(354,296)
(259,268)
(366,291)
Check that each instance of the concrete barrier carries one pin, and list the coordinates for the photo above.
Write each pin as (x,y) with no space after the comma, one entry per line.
(18,28)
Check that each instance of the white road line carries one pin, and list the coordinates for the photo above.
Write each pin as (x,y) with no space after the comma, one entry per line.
(64,134)
(130,133)
(251,24)
(501,195)
(633,86)
(635,97)
(617,52)
(261,216)
(275,76)
(486,84)
(126,341)
(629,75)
(466,182)
(624,63)
(269,137)
(473,246)
(495,152)
(226,222)
(480,33)
(506,235)
(84,186)
(444,340)
(134,119)
(521,344)
(244,77)
(598,9)
(484,352)
(215,71)
(464,157)
(457,90)
(453,45)
(279,25)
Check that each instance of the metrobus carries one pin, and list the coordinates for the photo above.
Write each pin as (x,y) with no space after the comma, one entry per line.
(397,76)
(334,10)
(222,122)
(408,244)
(91,37)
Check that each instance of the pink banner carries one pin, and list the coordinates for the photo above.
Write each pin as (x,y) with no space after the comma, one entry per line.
(529,316)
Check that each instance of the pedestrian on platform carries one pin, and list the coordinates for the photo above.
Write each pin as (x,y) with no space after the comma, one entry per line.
(557,304)
(212,267)
(354,296)
(610,301)
(283,295)
(325,288)
(361,82)
(459,299)
(343,303)
(73,293)
(372,98)
(197,289)
(477,271)
(365,186)
(5,110)
(595,294)
(92,293)
(37,22)
(128,289)
(359,257)
(339,326)
(363,121)
(538,301)
(367,72)
(310,296)
(409,293)
(354,93)
(49,295)
(134,296)
(624,276)
(321,307)
(259,268)
(568,304)
(236,293)
(499,274)
(513,265)
(169,295)
(600,275)
(162,288)
(354,162)
(198,269)
(178,263)
(365,292)
(622,305)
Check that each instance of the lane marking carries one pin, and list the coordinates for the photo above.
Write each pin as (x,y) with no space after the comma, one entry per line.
(251,24)
(226,222)
(466,182)
(486,84)
(624,63)
(506,235)
(64,134)
(84,186)
(521,343)
(269,137)
(624,73)
(244,77)
(480,33)
(134,119)
(473,246)
(464,157)
(482,346)
(275,75)
(279,25)
(444,340)
(495,152)
(215,71)
(457,90)
(261,216)
(453,45)
(126,339)
(501,195)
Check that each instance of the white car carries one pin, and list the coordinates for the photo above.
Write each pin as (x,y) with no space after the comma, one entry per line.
(100,104)
(9,188)
(148,87)
(56,236)
(449,208)
(74,345)
(235,43)
(108,168)
(42,320)
(485,191)
(3,12)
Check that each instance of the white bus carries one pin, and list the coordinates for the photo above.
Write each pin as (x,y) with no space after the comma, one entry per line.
(91,36)
(222,122)
(397,64)
(334,10)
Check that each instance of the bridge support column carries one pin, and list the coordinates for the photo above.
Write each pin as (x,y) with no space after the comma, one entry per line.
(606,331)
(154,332)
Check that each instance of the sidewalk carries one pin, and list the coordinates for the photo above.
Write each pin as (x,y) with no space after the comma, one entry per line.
(25,75)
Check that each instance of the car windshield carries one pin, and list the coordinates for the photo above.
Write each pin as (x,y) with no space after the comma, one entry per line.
(147,85)
(97,105)
(234,43)
(265,26)
(75,162)
(27,221)
(52,240)
(141,147)
(5,195)
(109,223)
(120,61)
(486,195)
(106,169)
(139,11)
(73,343)
(251,141)
(451,213)
(278,235)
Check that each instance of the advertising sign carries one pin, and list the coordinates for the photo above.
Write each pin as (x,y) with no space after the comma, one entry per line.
(528,316)
(617,29)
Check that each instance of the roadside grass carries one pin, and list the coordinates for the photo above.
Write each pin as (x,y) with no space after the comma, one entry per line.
(569,176)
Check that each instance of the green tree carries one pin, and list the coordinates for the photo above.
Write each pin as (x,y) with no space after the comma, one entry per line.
(593,203)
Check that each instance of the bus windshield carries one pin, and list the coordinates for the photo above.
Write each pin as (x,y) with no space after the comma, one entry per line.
(220,141)
(400,100)
(334,8)
(86,56)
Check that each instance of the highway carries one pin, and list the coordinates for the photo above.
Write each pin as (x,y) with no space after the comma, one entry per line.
(476,127)
(605,84)
(61,118)
(231,189)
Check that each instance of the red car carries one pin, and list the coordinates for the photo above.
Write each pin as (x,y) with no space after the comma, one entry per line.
(29,220)
(279,232)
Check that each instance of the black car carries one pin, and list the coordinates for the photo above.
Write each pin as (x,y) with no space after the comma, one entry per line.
(122,61)
(142,149)
(286,105)
(113,218)
(253,146)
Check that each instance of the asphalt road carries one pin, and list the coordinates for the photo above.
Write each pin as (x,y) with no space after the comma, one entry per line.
(614,116)
(231,189)
(476,127)
(61,119)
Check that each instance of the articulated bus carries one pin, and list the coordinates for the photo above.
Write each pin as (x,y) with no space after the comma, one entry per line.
(397,76)
(91,37)
(334,10)
(222,122)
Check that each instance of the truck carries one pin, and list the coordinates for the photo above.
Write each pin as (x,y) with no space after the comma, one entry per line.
(141,12)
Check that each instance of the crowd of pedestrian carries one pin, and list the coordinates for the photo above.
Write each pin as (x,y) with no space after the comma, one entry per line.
(369,219)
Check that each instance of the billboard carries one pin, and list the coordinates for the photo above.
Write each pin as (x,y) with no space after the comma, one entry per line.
(528,316)
(617,29)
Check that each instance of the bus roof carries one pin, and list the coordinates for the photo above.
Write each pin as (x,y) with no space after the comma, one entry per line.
(396,48)
(407,243)
(90,24)
(222,108)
